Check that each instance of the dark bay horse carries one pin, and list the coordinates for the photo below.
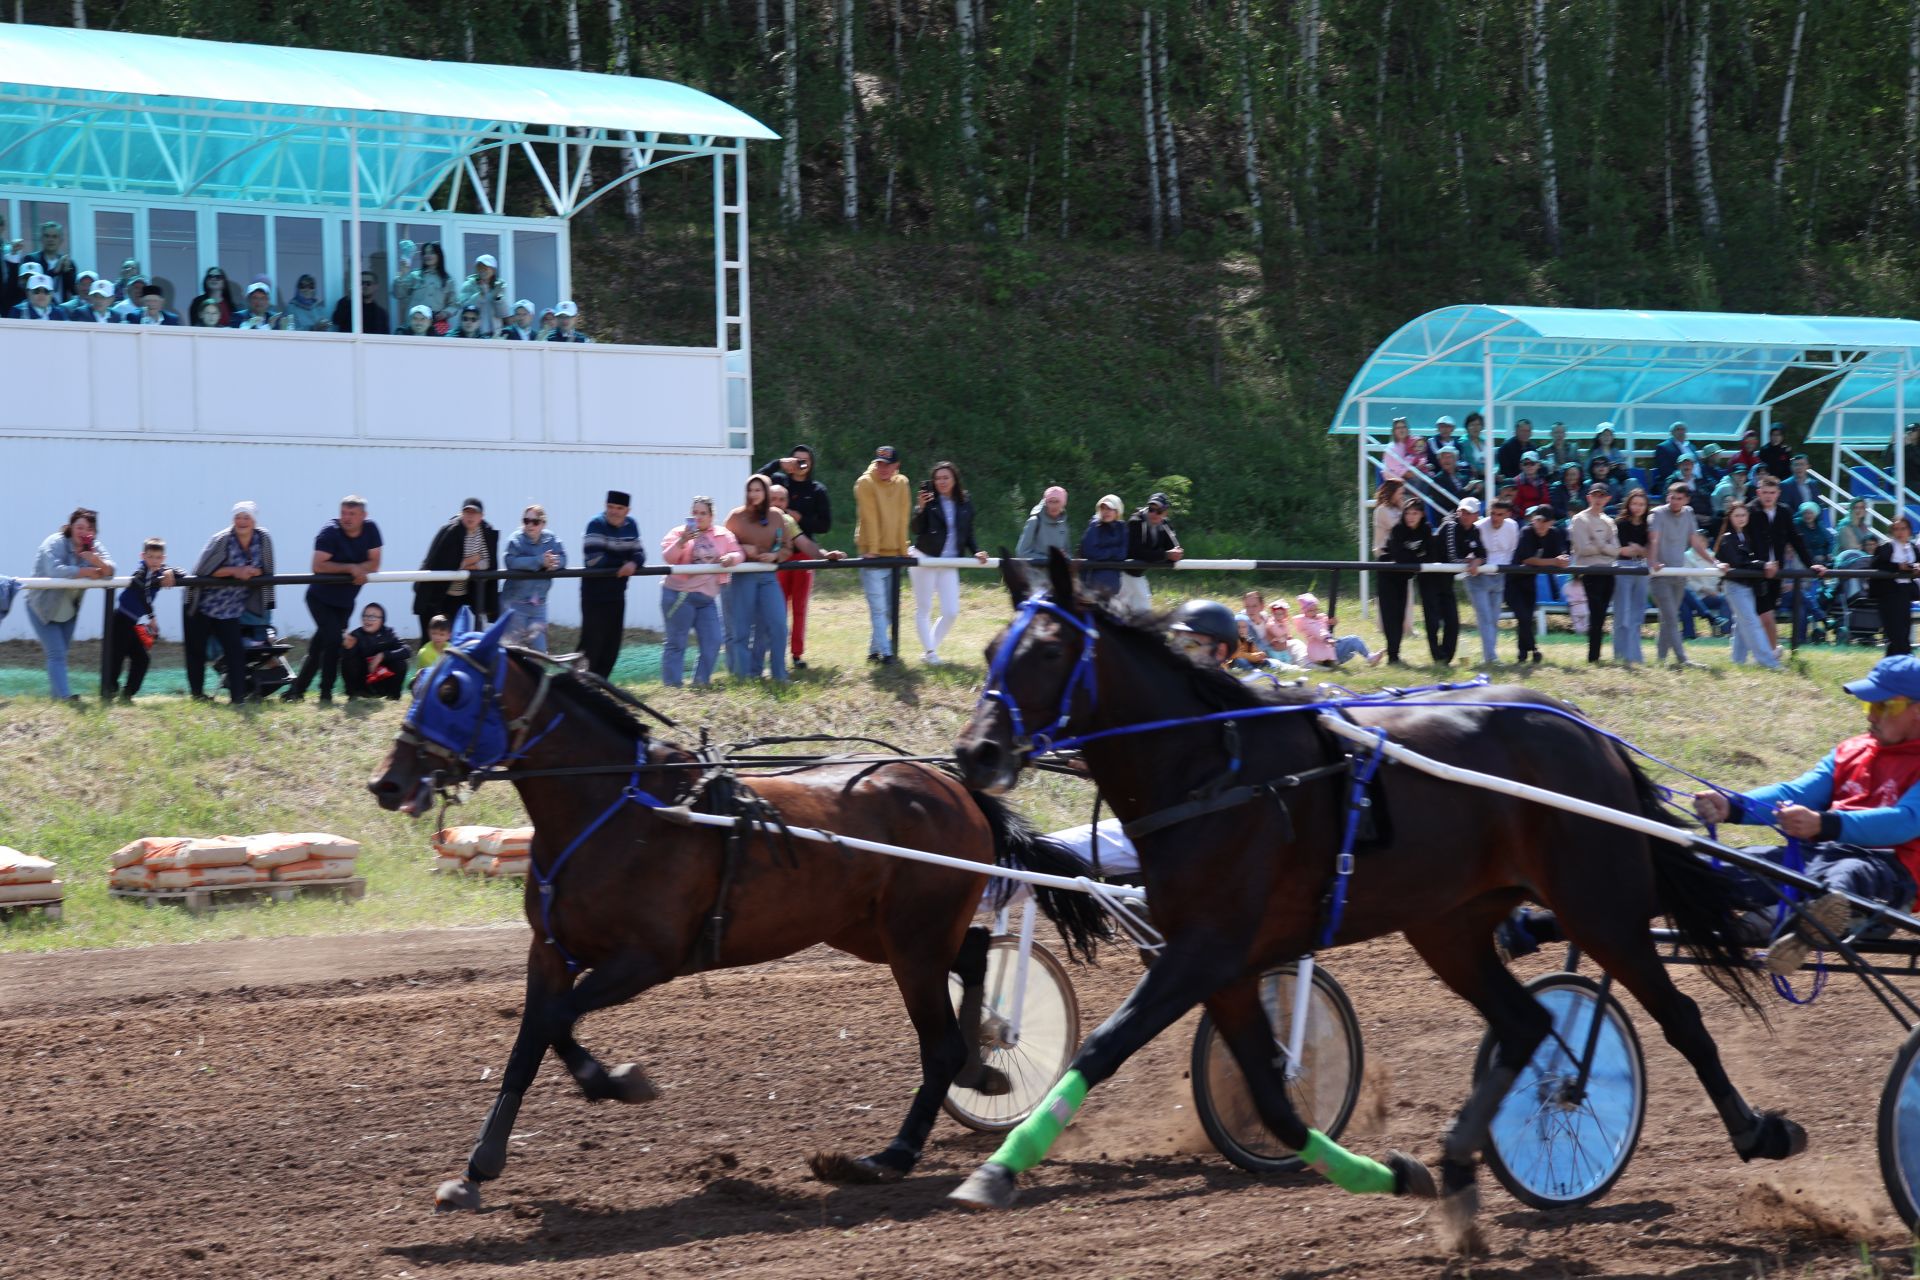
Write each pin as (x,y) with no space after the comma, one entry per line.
(1239,887)
(623,898)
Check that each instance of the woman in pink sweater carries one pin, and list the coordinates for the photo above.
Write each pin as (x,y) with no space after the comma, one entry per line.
(1323,646)
(691,601)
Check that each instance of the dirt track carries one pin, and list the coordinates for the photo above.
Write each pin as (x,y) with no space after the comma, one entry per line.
(285,1108)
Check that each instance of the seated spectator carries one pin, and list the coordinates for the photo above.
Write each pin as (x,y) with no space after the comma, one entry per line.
(1852,533)
(1713,464)
(1798,488)
(427,285)
(39,304)
(1568,495)
(1046,527)
(76,306)
(259,313)
(1451,480)
(486,293)
(1510,458)
(207,316)
(524,600)
(1734,486)
(1324,648)
(1473,449)
(1558,453)
(691,601)
(544,329)
(520,326)
(132,274)
(566,319)
(469,326)
(373,659)
(1398,459)
(1422,460)
(1443,437)
(419,322)
(99,305)
(1605,446)
(1105,538)
(1531,488)
(439,636)
(373,316)
(215,288)
(306,311)
(153,308)
(126,304)
(1749,455)
(1269,629)
(1775,454)
(1604,473)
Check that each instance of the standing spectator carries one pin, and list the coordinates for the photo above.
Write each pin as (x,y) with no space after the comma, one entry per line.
(756,611)
(519,326)
(1567,497)
(1667,455)
(373,316)
(1473,449)
(11,294)
(1630,589)
(1605,446)
(803,546)
(524,600)
(51,260)
(135,626)
(153,308)
(1893,596)
(1532,488)
(566,325)
(39,304)
(373,661)
(1700,492)
(348,544)
(1806,601)
(883,503)
(73,552)
(465,542)
(487,293)
(1443,437)
(1150,540)
(1594,543)
(1736,548)
(691,601)
(1511,455)
(1544,546)
(1387,501)
(1398,458)
(612,542)
(1105,538)
(217,289)
(306,310)
(428,285)
(1671,530)
(1798,488)
(1775,454)
(241,552)
(812,505)
(1852,533)
(1407,544)
(1749,455)
(1776,533)
(1324,648)
(1459,543)
(1500,536)
(1046,527)
(942,528)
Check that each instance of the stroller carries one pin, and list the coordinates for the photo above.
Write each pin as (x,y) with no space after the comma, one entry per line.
(1846,601)
(266,656)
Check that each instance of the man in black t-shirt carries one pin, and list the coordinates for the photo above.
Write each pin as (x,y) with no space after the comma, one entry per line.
(1543,545)
(348,545)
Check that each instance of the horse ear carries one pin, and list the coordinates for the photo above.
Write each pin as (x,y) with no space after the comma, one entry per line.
(463,621)
(1060,574)
(485,647)
(1014,573)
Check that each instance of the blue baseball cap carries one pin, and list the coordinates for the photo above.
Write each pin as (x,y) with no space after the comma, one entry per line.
(1897,676)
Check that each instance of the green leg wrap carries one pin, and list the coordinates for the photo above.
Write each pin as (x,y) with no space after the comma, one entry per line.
(1349,1172)
(1027,1145)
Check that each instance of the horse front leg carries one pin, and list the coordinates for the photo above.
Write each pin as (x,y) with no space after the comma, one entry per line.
(617,981)
(547,985)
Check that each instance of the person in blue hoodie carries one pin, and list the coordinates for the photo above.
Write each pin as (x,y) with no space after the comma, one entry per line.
(1105,539)
(524,600)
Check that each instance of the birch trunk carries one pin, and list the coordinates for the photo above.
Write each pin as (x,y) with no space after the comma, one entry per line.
(573,57)
(630,158)
(1249,138)
(1169,147)
(1066,117)
(1786,100)
(1908,159)
(79,14)
(1700,123)
(899,88)
(790,96)
(1542,107)
(1666,123)
(1146,111)
(963,14)
(482,163)
(849,151)
(1310,90)
(761,30)
(1379,124)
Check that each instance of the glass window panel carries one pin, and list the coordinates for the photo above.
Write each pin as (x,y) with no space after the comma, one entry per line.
(536,268)
(297,251)
(173,254)
(475,243)
(112,241)
(421,233)
(243,249)
(374,257)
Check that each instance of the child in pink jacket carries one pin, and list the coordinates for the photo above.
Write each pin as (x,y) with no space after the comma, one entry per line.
(1323,647)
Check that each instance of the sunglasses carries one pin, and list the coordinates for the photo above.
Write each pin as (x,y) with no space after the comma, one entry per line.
(530,520)
(1888,707)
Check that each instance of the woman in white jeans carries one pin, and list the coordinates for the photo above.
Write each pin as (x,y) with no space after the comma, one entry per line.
(942,527)
(1736,549)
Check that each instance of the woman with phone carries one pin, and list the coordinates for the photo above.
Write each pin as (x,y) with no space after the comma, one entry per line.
(756,611)
(691,601)
(72,552)
(942,526)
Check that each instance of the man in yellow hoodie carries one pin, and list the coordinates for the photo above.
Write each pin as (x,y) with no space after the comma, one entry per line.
(883,498)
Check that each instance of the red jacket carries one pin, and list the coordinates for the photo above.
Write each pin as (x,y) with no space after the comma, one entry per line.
(1867,775)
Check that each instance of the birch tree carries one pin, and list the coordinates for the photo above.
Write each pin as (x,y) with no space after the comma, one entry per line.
(630,158)
(1543,116)
(849,101)
(1793,75)
(1310,91)
(79,14)
(574,61)
(1169,147)
(1154,209)
(899,88)
(1379,125)
(1066,116)
(790,99)
(1700,122)
(963,14)
(1911,114)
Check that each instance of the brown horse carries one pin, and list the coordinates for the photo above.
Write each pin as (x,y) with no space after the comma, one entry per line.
(1241,810)
(624,898)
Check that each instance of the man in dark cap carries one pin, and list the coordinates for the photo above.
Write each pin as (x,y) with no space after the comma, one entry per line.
(1152,540)
(612,542)
(810,504)
(465,542)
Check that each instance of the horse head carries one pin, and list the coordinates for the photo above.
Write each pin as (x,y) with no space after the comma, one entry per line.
(1039,677)
(456,724)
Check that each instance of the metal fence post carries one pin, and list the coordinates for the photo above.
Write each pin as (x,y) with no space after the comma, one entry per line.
(893,583)
(106,646)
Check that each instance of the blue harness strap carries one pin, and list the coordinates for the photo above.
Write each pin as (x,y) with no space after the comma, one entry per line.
(545,879)
(1364,768)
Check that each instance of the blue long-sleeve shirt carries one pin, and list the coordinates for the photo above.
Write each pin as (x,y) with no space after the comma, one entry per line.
(1870,828)
(528,553)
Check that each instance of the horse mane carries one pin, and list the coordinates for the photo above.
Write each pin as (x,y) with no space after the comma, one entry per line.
(613,706)
(1145,635)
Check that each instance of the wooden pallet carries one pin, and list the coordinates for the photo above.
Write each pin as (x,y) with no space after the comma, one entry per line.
(214,897)
(50,908)
(463,873)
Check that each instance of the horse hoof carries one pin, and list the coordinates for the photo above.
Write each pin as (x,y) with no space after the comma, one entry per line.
(990,1186)
(988,1082)
(629,1084)
(1774,1138)
(1459,1233)
(832,1166)
(1410,1177)
(457,1195)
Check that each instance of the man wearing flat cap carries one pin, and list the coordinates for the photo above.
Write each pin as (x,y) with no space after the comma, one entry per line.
(465,542)
(612,542)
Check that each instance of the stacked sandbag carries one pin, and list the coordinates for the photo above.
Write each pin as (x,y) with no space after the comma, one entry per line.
(225,862)
(328,857)
(511,848)
(25,878)
(454,847)
(503,852)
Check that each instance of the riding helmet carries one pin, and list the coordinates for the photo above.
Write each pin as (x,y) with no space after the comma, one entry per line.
(1207,618)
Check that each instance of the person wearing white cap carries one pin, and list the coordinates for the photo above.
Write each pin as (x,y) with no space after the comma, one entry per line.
(485,290)
(39,303)
(566,319)
(1458,543)
(75,308)
(1105,538)
(99,304)
(419,322)
(519,326)
(428,285)
(259,313)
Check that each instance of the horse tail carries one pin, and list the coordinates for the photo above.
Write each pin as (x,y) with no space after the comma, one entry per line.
(1702,902)
(1017,843)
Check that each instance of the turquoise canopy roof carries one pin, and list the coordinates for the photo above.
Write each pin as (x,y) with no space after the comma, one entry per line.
(1641,370)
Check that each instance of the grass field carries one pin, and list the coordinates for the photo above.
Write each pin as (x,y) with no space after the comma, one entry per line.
(77,784)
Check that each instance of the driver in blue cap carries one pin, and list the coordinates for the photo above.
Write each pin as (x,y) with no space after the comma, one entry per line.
(1856,815)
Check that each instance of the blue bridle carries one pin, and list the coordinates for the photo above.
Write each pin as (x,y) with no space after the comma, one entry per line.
(1041,741)
(459,715)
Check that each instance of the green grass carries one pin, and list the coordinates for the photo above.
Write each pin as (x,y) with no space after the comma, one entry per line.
(78,784)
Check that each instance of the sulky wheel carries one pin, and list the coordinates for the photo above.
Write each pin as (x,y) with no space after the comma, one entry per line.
(1557,1139)
(1033,1058)
(1323,1091)
(1900,1130)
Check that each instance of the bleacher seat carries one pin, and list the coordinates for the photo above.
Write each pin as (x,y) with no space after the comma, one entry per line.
(1639,475)
(1870,483)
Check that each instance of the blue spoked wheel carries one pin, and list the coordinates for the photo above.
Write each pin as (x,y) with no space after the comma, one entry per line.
(1560,1138)
(1900,1131)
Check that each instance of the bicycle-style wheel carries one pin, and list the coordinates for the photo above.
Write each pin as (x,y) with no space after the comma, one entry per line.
(1555,1143)
(1323,1092)
(1048,1036)
(1900,1131)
